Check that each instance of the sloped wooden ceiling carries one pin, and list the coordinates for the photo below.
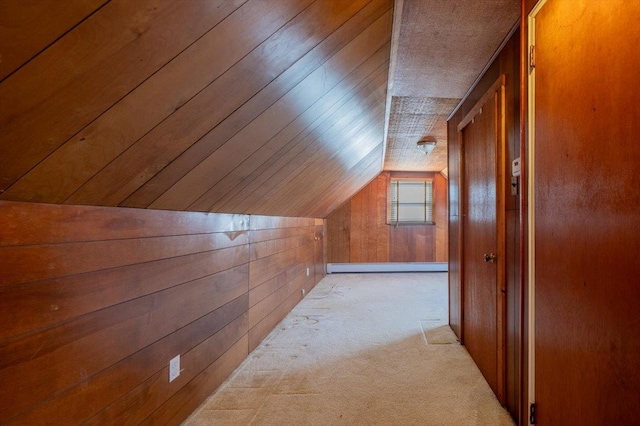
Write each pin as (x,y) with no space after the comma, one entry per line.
(259,106)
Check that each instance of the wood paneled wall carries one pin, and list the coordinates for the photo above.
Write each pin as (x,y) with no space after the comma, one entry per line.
(95,301)
(243,106)
(358,230)
(506,63)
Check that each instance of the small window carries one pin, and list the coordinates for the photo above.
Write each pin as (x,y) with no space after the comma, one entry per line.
(411,201)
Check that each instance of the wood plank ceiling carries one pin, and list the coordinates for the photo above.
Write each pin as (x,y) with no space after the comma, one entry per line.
(273,107)
(247,106)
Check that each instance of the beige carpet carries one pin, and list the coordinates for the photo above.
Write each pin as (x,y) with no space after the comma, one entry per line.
(360,349)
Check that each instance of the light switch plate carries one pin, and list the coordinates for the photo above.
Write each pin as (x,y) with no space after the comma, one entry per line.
(515,167)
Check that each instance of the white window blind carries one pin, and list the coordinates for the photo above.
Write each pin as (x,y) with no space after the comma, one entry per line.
(411,201)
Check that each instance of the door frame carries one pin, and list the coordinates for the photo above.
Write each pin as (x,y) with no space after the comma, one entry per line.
(496,90)
(531,217)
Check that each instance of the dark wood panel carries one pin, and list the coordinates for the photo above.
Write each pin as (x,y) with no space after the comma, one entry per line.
(51,99)
(115,182)
(39,262)
(369,234)
(27,27)
(37,364)
(348,175)
(366,170)
(222,193)
(89,397)
(586,213)
(94,346)
(35,305)
(144,399)
(337,175)
(409,243)
(264,327)
(262,235)
(30,224)
(510,66)
(507,64)
(263,290)
(263,308)
(296,94)
(277,222)
(339,231)
(358,231)
(266,268)
(271,105)
(299,134)
(302,147)
(204,61)
(178,408)
(513,339)
(480,228)
(326,78)
(317,162)
(267,248)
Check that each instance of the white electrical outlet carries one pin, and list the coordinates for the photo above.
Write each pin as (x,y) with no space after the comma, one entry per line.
(307,271)
(303,291)
(174,368)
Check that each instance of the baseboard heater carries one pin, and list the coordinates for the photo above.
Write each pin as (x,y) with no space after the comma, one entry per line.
(336,268)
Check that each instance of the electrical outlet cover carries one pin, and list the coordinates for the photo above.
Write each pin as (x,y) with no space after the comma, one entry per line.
(174,368)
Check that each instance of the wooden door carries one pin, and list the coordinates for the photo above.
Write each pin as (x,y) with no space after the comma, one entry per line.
(483,307)
(586,185)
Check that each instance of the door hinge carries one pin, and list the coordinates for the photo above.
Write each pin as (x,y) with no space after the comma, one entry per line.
(532,56)
(532,414)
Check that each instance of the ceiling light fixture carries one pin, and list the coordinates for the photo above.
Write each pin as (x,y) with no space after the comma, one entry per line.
(427,144)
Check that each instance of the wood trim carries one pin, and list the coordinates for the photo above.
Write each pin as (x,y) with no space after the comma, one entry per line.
(501,81)
(393,59)
(501,322)
(462,207)
(523,391)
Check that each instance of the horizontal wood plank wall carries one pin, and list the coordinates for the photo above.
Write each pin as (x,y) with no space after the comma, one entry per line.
(358,230)
(94,301)
(282,265)
(506,63)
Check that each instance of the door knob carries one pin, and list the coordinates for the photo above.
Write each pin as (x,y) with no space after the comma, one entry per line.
(490,257)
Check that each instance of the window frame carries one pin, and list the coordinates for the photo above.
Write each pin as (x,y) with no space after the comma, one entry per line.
(423,179)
